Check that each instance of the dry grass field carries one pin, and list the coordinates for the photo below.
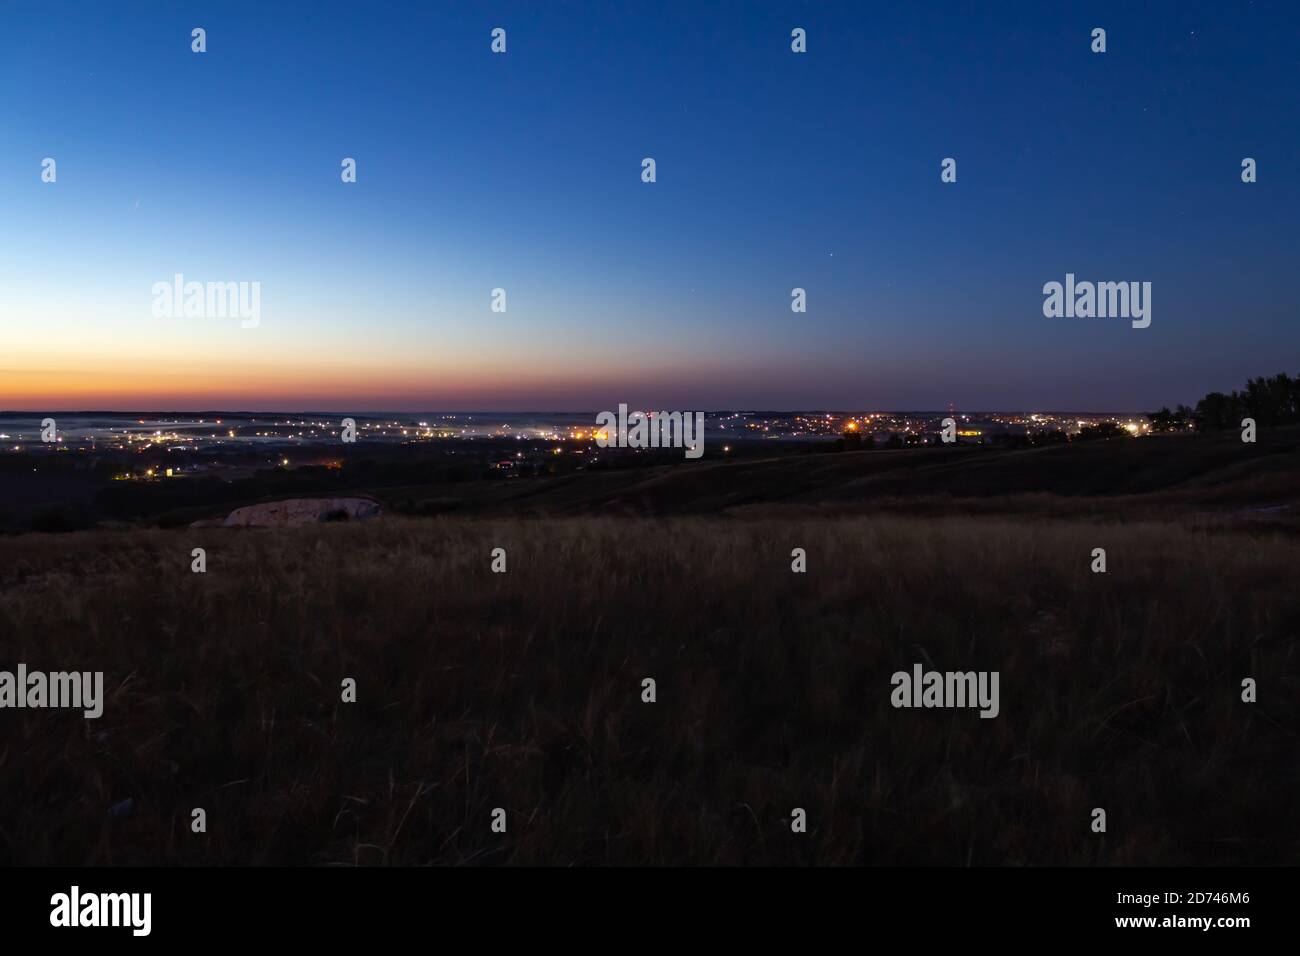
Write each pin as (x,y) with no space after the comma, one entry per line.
(522,690)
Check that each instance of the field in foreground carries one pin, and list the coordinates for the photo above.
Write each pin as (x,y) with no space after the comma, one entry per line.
(523,691)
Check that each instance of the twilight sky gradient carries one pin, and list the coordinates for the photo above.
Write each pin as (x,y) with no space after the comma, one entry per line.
(775,170)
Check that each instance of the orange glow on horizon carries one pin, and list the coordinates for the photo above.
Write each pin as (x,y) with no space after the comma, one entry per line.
(177,386)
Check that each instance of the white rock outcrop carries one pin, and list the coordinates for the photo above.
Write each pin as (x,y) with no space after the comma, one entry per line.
(296,511)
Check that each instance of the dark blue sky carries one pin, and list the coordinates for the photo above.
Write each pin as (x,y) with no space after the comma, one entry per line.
(522,171)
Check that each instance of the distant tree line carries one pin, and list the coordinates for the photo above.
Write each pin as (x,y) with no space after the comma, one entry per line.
(1101,431)
(1269,401)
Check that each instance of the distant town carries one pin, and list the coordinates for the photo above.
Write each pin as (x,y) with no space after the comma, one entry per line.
(18,430)
(158,447)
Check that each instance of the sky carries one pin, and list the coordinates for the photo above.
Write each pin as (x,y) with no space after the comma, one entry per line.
(523,171)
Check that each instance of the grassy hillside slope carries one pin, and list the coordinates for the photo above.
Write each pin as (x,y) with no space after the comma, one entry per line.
(523,691)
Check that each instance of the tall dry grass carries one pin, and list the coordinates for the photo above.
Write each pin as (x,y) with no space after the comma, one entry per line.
(523,691)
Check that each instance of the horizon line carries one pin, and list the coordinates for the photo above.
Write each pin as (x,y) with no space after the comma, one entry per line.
(751,410)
